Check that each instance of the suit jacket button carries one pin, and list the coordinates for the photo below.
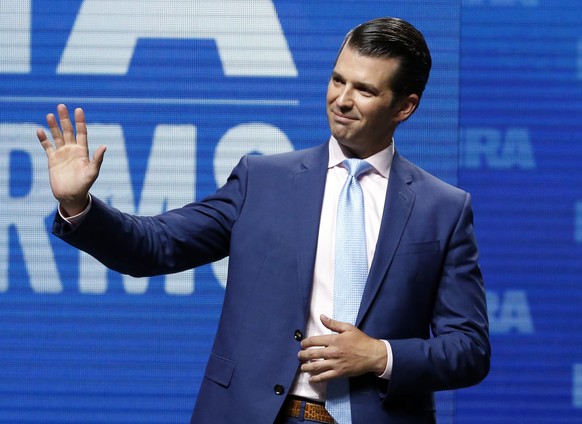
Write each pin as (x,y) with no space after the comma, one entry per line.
(298,335)
(279,390)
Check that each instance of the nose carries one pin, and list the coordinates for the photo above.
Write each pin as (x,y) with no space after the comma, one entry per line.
(345,99)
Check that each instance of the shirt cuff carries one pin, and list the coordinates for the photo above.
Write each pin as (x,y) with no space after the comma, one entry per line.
(389,361)
(75,220)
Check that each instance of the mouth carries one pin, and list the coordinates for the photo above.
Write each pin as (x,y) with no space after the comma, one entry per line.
(341,118)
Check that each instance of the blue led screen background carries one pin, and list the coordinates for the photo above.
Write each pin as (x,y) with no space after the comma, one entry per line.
(180,90)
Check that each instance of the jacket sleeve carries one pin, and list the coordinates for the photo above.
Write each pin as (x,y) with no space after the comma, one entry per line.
(458,353)
(174,241)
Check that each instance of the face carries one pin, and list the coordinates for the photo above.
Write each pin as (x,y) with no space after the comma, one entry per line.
(361,110)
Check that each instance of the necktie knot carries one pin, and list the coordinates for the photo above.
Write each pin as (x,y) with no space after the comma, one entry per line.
(356,167)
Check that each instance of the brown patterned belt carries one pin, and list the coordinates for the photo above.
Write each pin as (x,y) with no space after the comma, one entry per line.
(313,411)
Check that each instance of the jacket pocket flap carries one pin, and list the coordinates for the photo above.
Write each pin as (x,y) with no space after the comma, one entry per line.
(219,369)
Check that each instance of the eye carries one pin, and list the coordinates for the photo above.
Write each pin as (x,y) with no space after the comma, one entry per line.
(366,92)
(337,80)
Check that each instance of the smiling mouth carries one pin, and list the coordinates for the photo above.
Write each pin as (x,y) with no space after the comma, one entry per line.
(338,117)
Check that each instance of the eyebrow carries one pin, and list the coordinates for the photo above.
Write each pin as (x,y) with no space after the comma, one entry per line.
(359,85)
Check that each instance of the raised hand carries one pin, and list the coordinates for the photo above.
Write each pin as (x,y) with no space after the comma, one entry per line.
(71,172)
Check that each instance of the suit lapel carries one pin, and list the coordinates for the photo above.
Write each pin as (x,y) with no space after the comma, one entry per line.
(308,188)
(397,208)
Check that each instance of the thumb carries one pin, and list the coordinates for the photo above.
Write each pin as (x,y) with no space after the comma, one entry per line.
(334,325)
(98,158)
(95,165)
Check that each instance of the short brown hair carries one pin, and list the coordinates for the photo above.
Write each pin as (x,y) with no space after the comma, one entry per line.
(395,38)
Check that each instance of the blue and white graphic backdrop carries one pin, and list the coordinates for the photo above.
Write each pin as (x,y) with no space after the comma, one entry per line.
(179,90)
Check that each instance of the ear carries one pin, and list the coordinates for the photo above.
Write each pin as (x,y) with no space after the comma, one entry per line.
(406,107)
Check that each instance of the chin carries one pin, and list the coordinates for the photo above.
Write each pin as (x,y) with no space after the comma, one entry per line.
(340,132)
(346,145)
(341,138)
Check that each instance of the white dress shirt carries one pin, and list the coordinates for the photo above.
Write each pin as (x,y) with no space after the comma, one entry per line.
(374,184)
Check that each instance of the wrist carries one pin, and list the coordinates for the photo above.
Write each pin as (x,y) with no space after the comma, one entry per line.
(381,357)
(70,208)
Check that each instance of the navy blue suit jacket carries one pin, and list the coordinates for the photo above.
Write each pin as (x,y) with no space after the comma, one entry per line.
(424,293)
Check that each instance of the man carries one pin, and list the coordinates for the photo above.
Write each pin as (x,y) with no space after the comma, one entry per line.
(281,353)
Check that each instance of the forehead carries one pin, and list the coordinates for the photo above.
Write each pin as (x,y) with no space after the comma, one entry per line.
(355,67)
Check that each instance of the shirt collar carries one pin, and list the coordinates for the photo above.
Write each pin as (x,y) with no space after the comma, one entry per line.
(381,161)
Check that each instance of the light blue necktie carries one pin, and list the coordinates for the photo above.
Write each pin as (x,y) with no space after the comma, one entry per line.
(351,272)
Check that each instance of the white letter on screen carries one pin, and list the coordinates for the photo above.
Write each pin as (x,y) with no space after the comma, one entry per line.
(15,36)
(248,34)
(27,213)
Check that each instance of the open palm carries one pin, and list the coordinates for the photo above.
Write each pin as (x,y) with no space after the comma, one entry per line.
(71,171)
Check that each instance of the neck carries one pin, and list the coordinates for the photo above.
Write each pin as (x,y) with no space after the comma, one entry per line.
(351,152)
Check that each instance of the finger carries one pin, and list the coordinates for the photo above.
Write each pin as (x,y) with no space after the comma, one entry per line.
(45,142)
(308,355)
(317,367)
(334,325)
(314,354)
(81,127)
(317,341)
(66,126)
(55,130)
(41,135)
(324,376)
